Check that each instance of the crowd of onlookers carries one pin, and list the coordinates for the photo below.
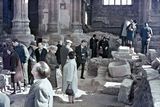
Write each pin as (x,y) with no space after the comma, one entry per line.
(48,67)
(39,66)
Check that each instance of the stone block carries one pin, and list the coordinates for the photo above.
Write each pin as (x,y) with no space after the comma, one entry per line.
(155,91)
(124,49)
(155,63)
(111,88)
(116,79)
(94,64)
(151,73)
(124,92)
(119,69)
(152,54)
(101,72)
(143,58)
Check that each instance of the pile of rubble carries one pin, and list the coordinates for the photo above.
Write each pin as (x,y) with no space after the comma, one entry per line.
(125,77)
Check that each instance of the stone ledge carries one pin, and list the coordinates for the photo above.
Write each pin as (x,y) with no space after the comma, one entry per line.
(155,91)
(154,83)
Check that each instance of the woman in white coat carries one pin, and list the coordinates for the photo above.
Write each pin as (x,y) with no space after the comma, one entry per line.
(70,75)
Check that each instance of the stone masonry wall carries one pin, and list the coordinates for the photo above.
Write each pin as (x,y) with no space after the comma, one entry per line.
(110,18)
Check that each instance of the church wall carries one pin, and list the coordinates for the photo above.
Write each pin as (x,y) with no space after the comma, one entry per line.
(110,18)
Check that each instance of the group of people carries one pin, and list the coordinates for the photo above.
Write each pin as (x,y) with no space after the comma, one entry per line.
(128,34)
(37,66)
(100,47)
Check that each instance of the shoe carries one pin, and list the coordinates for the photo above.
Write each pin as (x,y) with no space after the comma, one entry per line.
(25,89)
(13,93)
(82,78)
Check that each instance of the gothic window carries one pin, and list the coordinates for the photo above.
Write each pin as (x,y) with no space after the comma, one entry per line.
(117,2)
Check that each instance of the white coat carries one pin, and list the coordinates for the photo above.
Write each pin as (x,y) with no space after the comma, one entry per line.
(70,75)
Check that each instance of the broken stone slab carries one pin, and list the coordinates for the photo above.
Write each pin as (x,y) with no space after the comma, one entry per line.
(124,92)
(143,59)
(121,55)
(111,88)
(124,49)
(119,69)
(152,54)
(101,72)
(151,73)
(155,63)
(95,63)
(155,91)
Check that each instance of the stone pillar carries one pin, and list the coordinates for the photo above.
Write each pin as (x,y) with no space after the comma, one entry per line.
(76,16)
(52,30)
(53,16)
(20,22)
(43,16)
(76,22)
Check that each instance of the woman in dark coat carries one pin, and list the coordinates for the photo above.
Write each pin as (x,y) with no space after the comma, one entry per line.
(131,28)
(15,68)
(104,45)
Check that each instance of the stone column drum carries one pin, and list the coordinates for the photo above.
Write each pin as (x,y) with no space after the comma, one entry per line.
(119,69)
(20,22)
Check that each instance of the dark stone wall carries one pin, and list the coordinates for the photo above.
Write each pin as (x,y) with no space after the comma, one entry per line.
(110,18)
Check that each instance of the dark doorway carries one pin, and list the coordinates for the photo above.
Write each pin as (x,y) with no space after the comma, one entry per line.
(33,16)
(7,15)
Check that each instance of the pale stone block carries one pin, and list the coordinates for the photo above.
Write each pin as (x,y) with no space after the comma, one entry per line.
(152,54)
(119,69)
(111,88)
(155,63)
(125,90)
(124,49)
(151,73)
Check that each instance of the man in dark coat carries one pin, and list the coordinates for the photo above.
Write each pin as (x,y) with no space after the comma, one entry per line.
(65,49)
(40,53)
(81,56)
(32,60)
(23,54)
(146,33)
(58,54)
(93,46)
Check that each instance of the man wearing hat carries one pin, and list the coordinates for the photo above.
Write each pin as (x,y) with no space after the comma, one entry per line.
(64,52)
